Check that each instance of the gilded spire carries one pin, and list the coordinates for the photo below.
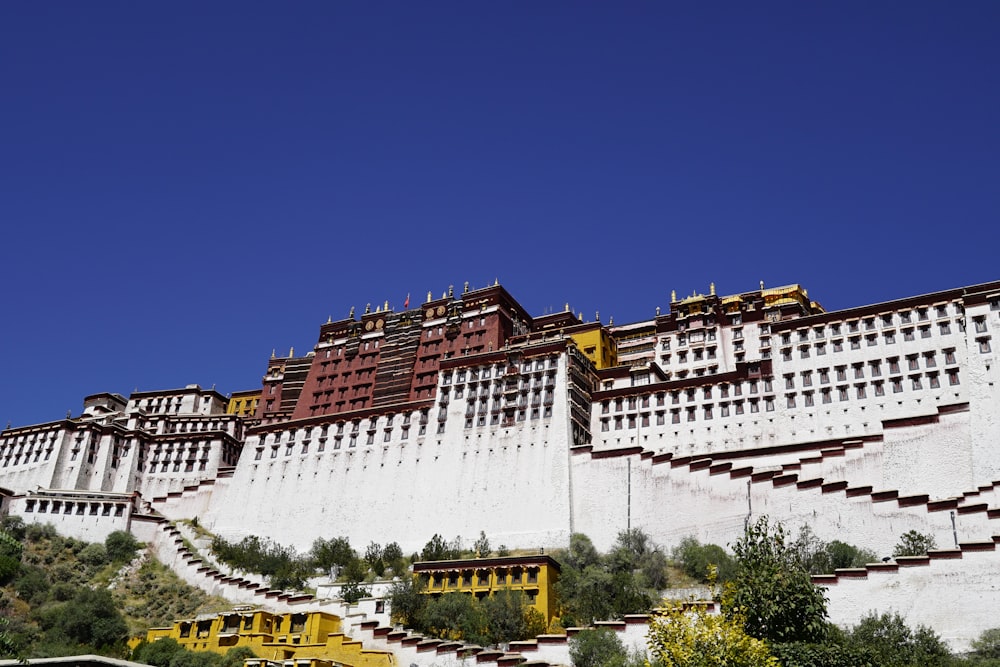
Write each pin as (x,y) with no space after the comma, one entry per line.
(351,314)
(566,309)
(465,290)
(368,308)
(711,289)
(429,297)
(673,296)
(386,306)
(291,352)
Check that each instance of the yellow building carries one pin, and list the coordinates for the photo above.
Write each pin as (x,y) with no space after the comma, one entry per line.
(243,403)
(312,639)
(535,576)
(596,344)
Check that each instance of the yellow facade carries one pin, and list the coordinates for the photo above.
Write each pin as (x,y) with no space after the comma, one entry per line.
(243,403)
(313,637)
(534,576)
(597,345)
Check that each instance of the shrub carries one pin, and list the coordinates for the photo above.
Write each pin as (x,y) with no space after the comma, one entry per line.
(696,558)
(121,546)
(597,648)
(913,543)
(696,638)
(94,555)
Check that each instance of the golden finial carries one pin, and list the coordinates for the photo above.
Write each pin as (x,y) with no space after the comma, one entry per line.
(711,289)
(329,319)
(291,352)
(673,296)
(762,285)
(465,289)
(657,311)
(368,308)
(429,296)
(451,291)
(377,309)
(611,321)
(566,310)
(386,306)
(351,314)
(496,281)
(272,353)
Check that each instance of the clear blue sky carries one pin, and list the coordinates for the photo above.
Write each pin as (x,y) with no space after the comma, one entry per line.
(186,185)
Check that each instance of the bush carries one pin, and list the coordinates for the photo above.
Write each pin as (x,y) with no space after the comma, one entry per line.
(891,643)
(913,543)
(597,648)
(696,558)
(353,591)
(121,546)
(94,555)
(696,638)
(987,645)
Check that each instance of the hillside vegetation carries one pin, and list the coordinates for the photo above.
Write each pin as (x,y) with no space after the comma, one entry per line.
(63,596)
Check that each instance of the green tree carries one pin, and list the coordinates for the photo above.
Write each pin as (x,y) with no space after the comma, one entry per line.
(158,653)
(481,546)
(438,549)
(772,593)
(695,638)
(330,554)
(457,616)
(90,618)
(407,602)
(912,543)
(891,643)
(987,645)
(94,555)
(393,556)
(121,546)
(509,617)
(597,648)
(235,656)
(374,558)
(353,591)
(697,559)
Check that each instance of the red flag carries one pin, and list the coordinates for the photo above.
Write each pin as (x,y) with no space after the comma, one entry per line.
(406,304)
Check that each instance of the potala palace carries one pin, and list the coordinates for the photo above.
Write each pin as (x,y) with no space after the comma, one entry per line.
(467,414)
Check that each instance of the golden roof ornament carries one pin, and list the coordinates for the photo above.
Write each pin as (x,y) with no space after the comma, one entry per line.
(711,289)
(291,352)
(386,306)
(351,314)
(368,308)
(566,310)
(465,290)
(451,291)
(429,298)
(673,296)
